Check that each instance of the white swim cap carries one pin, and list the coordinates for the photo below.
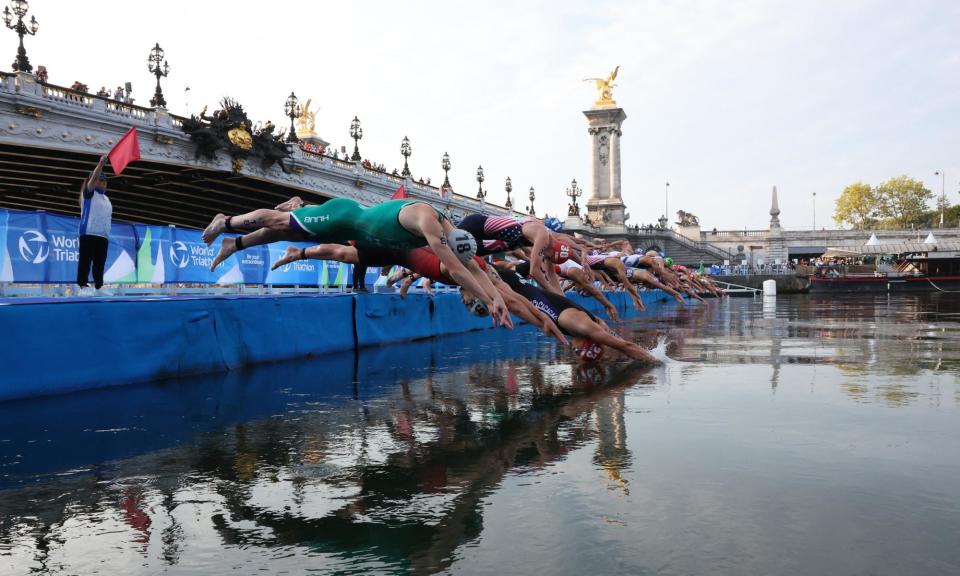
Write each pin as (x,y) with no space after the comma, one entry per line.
(478,308)
(463,244)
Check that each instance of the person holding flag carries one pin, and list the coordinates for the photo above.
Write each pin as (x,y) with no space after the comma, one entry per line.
(96,212)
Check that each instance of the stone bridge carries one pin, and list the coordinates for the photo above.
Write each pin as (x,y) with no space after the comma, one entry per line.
(51,137)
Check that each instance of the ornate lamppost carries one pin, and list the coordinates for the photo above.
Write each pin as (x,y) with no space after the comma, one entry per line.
(159,68)
(574,192)
(291,109)
(20,7)
(533,196)
(407,151)
(508,186)
(356,132)
(445,164)
(480,193)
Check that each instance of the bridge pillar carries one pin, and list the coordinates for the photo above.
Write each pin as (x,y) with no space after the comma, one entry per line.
(605,205)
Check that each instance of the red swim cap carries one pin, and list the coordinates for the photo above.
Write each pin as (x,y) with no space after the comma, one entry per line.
(589,351)
(561,252)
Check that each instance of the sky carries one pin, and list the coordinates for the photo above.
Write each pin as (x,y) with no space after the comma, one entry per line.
(724,99)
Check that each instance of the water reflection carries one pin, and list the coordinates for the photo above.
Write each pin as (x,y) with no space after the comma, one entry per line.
(884,336)
(367,471)
(391,460)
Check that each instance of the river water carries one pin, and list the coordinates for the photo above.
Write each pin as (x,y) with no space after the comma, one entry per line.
(802,435)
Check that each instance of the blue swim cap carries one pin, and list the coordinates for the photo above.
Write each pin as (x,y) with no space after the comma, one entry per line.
(553,224)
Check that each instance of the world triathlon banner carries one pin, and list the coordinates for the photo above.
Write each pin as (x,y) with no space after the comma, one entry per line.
(39,247)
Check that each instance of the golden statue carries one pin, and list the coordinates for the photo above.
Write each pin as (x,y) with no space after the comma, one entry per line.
(240,138)
(307,120)
(605,88)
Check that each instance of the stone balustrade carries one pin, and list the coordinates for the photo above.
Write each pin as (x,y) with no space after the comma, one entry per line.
(36,114)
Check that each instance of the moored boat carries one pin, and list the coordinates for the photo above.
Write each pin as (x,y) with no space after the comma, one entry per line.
(903,267)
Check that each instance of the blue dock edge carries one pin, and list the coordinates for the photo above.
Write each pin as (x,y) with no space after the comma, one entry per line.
(51,345)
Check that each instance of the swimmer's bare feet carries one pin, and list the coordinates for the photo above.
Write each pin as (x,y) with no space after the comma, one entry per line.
(227,248)
(290,205)
(215,228)
(291,254)
(405,286)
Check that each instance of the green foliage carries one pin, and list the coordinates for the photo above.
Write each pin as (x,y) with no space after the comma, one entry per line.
(902,200)
(856,206)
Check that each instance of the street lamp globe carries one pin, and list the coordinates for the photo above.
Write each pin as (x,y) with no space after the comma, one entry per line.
(356,132)
(445,164)
(407,151)
(291,109)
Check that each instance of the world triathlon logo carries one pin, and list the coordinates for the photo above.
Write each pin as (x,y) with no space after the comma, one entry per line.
(179,255)
(34,247)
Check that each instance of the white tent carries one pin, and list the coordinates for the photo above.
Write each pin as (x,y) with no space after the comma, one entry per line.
(872,241)
(930,239)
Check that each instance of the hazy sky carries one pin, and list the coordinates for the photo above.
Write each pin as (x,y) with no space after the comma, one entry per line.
(724,98)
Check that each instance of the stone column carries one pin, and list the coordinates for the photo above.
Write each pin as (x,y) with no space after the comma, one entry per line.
(605,204)
(776,247)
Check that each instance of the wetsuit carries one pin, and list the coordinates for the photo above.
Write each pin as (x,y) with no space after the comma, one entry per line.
(596,262)
(634,261)
(547,302)
(506,231)
(342,219)
(422,261)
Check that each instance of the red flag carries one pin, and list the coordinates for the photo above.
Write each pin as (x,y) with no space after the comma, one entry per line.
(126,151)
(400,194)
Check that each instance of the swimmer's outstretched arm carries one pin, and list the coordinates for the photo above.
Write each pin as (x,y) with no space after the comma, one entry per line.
(580,280)
(644,277)
(423,219)
(579,323)
(524,309)
(540,236)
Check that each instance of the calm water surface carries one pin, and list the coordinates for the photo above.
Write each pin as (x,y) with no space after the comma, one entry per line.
(802,436)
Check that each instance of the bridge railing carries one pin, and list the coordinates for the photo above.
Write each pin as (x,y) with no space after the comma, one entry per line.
(51,96)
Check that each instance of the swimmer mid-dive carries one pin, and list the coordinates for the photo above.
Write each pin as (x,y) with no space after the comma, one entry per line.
(590,334)
(395,223)
(500,233)
(423,262)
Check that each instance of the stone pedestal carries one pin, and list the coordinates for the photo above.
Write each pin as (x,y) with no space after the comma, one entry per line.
(690,232)
(605,205)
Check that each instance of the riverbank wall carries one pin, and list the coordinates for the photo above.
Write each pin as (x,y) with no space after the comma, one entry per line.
(57,345)
(786,283)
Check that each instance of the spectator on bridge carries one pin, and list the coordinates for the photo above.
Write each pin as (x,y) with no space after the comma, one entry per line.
(42,74)
(96,212)
(118,94)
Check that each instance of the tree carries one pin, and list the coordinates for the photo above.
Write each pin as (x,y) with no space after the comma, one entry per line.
(856,206)
(903,200)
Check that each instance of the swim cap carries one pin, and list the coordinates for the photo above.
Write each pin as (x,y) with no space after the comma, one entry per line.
(589,351)
(668,261)
(561,252)
(478,308)
(463,244)
(553,224)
